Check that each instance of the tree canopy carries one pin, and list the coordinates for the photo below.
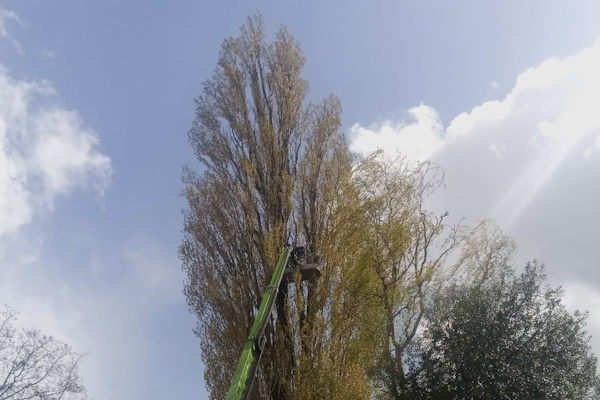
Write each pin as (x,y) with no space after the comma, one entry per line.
(505,338)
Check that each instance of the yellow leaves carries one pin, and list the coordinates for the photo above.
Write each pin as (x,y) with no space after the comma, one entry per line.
(249,168)
(272,244)
(330,376)
(381,243)
(427,274)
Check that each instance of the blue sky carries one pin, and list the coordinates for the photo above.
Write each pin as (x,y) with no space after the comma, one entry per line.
(96,100)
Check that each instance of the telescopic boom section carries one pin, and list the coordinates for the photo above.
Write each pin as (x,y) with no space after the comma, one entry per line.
(245,371)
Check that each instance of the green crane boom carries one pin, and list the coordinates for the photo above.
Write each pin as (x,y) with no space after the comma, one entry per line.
(246,368)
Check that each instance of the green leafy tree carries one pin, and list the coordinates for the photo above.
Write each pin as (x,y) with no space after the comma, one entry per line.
(505,337)
(395,256)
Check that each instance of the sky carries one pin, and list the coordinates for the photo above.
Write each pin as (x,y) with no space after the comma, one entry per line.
(96,99)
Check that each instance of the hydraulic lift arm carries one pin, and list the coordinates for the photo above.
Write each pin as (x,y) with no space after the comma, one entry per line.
(246,368)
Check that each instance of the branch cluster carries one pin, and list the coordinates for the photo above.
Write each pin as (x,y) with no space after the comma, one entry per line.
(36,366)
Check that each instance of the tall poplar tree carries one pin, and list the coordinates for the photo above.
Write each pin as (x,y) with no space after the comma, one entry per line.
(271,161)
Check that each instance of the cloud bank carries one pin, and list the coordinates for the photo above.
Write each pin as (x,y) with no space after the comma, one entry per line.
(530,160)
(45,152)
(509,151)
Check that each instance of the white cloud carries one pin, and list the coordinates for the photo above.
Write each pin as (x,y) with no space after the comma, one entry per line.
(5,18)
(557,101)
(532,162)
(542,126)
(418,136)
(45,151)
(504,152)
